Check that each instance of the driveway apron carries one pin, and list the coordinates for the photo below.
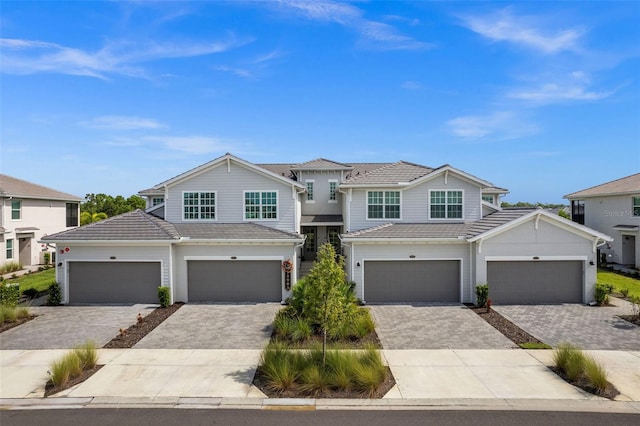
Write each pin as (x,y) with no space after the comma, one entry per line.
(64,327)
(590,327)
(435,327)
(214,326)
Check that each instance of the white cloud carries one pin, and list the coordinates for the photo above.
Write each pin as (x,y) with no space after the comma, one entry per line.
(373,33)
(240,72)
(119,122)
(572,87)
(500,125)
(114,58)
(194,145)
(527,31)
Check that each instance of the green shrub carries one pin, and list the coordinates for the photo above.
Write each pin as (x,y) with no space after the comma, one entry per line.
(22,312)
(47,258)
(313,380)
(601,294)
(300,330)
(595,374)
(30,292)
(482,294)
(280,368)
(55,294)
(65,368)
(10,267)
(7,314)
(564,355)
(87,354)
(624,292)
(164,295)
(9,294)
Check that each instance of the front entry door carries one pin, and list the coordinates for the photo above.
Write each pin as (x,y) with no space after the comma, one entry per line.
(24,247)
(310,244)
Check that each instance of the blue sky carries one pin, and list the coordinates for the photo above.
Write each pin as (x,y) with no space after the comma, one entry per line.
(541,98)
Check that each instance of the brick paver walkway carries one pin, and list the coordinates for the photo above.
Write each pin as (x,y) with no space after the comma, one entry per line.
(435,327)
(586,326)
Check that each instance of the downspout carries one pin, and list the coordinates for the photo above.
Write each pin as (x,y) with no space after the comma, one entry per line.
(472,279)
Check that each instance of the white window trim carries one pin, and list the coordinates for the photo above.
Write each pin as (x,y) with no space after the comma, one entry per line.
(336,182)
(244,217)
(633,205)
(11,211)
(313,194)
(162,198)
(382,218)
(215,205)
(445,218)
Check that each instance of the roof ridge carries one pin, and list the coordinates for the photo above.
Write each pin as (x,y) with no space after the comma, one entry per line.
(373,228)
(153,220)
(603,184)
(48,188)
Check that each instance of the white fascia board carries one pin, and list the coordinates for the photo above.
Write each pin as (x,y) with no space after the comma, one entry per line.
(607,194)
(465,176)
(228,241)
(111,242)
(402,240)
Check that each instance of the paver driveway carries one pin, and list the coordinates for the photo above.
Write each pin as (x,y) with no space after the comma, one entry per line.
(64,327)
(214,326)
(586,326)
(435,327)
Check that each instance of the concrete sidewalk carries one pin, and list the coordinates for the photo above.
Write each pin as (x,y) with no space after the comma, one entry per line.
(495,379)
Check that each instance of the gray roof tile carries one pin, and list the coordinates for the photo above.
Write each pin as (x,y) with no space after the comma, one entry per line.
(394,173)
(232,231)
(321,164)
(496,219)
(625,185)
(412,230)
(10,186)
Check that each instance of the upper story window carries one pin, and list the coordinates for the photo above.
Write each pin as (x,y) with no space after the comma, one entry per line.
(199,205)
(383,205)
(577,211)
(310,190)
(636,206)
(445,205)
(333,186)
(10,249)
(16,209)
(487,198)
(261,205)
(157,200)
(72,214)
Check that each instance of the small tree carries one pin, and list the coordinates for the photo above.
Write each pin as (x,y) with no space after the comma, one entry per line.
(326,304)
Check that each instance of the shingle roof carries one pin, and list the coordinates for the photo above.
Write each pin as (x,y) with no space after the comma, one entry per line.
(10,186)
(232,231)
(135,225)
(321,164)
(625,185)
(496,219)
(401,171)
(412,230)
(322,218)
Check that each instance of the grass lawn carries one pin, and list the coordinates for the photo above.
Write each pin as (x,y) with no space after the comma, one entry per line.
(38,280)
(619,282)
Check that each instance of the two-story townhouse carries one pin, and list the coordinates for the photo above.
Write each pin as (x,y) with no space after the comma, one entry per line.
(614,209)
(28,212)
(234,231)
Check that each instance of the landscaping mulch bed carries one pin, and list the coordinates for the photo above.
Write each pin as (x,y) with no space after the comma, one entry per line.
(132,335)
(504,326)
(609,392)
(9,325)
(381,391)
(50,389)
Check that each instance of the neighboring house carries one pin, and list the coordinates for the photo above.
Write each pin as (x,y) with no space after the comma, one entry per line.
(30,212)
(226,231)
(612,208)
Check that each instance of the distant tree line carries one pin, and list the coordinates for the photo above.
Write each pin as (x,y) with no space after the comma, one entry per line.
(97,207)
(559,207)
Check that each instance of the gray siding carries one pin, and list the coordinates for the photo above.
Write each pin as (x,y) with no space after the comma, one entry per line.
(229,185)
(321,204)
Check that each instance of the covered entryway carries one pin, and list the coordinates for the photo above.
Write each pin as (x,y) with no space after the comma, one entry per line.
(234,280)
(535,282)
(114,282)
(417,281)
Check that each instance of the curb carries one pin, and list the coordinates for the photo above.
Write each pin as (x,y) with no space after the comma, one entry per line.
(311,404)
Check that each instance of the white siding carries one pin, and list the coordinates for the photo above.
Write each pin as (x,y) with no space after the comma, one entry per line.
(249,252)
(603,213)
(548,242)
(361,252)
(104,254)
(229,185)
(415,203)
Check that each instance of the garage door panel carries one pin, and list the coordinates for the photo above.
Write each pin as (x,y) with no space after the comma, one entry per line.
(535,282)
(234,281)
(114,282)
(412,281)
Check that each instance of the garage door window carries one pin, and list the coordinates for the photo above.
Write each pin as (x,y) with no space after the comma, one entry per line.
(199,205)
(261,205)
(445,205)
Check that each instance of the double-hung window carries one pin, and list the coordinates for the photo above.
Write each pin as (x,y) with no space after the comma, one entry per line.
(72,214)
(445,205)
(333,187)
(310,194)
(383,205)
(261,205)
(10,248)
(16,209)
(199,205)
(636,206)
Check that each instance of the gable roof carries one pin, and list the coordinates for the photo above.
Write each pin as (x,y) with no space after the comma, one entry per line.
(321,164)
(389,174)
(233,231)
(496,219)
(625,185)
(410,231)
(136,225)
(217,162)
(14,187)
